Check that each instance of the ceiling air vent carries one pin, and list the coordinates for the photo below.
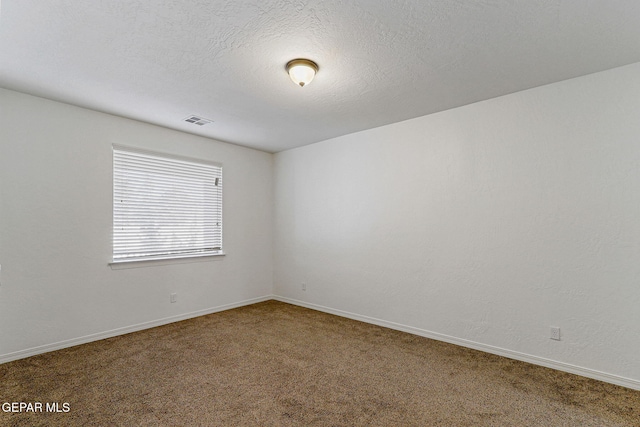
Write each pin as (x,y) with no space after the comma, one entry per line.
(198,120)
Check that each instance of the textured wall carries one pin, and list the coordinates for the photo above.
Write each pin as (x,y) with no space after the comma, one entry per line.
(488,223)
(55,227)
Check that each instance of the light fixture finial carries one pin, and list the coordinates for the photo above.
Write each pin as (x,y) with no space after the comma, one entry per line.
(301,71)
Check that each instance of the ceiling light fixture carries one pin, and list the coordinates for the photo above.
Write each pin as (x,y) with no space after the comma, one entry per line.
(302,71)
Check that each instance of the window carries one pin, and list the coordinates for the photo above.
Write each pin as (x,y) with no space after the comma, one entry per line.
(165,207)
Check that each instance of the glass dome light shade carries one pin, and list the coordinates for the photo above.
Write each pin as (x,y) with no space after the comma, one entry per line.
(302,71)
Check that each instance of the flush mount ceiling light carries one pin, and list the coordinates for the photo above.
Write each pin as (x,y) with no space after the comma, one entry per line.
(302,71)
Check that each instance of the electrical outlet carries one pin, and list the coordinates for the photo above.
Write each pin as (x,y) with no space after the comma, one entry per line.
(173,298)
(555,333)
(304,286)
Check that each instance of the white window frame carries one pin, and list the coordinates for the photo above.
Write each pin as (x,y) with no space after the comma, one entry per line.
(193,187)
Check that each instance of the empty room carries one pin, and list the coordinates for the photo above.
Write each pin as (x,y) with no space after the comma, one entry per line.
(320,213)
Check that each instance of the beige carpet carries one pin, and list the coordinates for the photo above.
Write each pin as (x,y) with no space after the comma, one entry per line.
(274,364)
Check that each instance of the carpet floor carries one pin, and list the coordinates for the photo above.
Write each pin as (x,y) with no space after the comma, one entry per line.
(275,364)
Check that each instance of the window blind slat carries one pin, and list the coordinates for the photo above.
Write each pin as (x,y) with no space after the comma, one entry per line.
(161,180)
(131,241)
(178,210)
(164,206)
(149,161)
(174,201)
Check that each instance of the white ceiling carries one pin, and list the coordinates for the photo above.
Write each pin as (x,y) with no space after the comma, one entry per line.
(381,61)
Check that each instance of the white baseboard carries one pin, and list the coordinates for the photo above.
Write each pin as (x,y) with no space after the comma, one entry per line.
(560,366)
(535,360)
(125,330)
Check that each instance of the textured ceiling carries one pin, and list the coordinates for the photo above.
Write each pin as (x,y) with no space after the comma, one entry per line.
(381,61)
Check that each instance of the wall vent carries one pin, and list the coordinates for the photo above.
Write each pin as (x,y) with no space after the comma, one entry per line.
(196,120)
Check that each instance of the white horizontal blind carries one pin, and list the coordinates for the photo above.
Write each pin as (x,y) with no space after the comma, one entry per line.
(165,207)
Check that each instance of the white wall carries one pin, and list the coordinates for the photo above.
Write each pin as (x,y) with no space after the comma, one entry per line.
(482,225)
(55,229)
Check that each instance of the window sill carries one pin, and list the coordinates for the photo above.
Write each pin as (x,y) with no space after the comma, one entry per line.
(138,263)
